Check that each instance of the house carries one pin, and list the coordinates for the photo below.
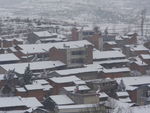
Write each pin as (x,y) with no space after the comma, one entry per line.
(109,45)
(139,65)
(59,100)
(115,72)
(107,55)
(59,82)
(10,42)
(109,36)
(90,34)
(135,50)
(80,97)
(39,89)
(81,88)
(105,84)
(43,37)
(18,103)
(103,97)
(35,67)
(80,108)
(113,63)
(139,49)
(8,58)
(130,38)
(53,101)
(123,96)
(73,53)
(137,88)
(145,58)
(87,72)
(35,90)
(110,59)
(47,88)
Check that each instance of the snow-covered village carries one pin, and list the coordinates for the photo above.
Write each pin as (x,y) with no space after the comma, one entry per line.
(74,56)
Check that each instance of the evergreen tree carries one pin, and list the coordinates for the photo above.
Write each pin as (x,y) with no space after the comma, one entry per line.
(9,83)
(27,75)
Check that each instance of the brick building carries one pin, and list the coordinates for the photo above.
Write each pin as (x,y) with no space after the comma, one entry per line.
(90,34)
(73,53)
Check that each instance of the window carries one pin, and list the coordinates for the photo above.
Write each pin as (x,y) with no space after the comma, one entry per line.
(88,33)
(77,52)
(80,61)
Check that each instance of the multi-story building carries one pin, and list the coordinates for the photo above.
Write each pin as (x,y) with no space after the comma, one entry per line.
(74,54)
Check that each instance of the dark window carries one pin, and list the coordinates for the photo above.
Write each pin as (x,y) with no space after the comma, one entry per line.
(80,60)
(77,52)
(88,33)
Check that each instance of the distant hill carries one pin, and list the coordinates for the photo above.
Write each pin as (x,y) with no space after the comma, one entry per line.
(79,10)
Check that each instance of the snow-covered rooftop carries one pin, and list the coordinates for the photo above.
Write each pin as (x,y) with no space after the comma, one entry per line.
(31,102)
(32,87)
(11,102)
(139,48)
(44,34)
(125,100)
(47,87)
(77,107)
(80,82)
(111,42)
(116,70)
(112,61)
(131,81)
(61,99)
(41,81)
(64,79)
(140,62)
(21,89)
(120,94)
(42,48)
(8,57)
(146,56)
(86,69)
(41,65)
(81,88)
(100,55)
(103,95)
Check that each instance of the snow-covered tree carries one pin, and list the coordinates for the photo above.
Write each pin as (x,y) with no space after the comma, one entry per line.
(9,84)
(122,86)
(27,75)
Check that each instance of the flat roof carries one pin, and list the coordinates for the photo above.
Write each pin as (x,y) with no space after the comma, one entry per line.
(132,81)
(11,102)
(42,48)
(64,79)
(86,69)
(40,65)
(116,70)
(61,99)
(8,57)
(81,88)
(100,55)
